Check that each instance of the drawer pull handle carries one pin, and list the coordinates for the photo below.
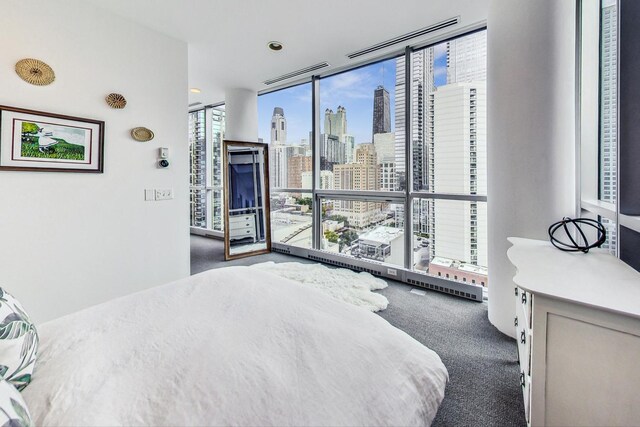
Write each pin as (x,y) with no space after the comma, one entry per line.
(516,291)
(522,379)
(524,298)
(515,321)
(523,337)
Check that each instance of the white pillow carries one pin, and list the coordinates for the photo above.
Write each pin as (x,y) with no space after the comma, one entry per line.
(18,342)
(13,410)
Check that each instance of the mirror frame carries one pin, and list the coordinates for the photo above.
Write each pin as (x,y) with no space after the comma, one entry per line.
(267,200)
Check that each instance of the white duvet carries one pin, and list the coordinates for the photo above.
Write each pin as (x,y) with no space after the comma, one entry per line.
(231,346)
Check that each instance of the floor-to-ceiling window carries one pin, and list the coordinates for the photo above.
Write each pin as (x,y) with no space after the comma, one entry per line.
(361,161)
(599,117)
(609,190)
(386,163)
(449,158)
(284,122)
(206,133)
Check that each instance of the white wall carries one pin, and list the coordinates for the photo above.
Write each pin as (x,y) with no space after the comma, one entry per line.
(531,132)
(70,240)
(241,106)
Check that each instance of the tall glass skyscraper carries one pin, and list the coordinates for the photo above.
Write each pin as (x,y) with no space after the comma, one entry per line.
(608,112)
(381,111)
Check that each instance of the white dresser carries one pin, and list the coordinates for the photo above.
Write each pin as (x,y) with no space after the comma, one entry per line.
(578,330)
(242,226)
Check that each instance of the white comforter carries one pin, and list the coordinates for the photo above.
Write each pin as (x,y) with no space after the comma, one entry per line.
(231,346)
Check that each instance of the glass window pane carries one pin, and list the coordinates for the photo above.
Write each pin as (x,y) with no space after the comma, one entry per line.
(608,100)
(291,219)
(370,231)
(284,122)
(217,173)
(450,239)
(197,176)
(448,118)
(362,128)
(611,243)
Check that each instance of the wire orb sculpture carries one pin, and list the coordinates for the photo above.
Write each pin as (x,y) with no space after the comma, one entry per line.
(580,243)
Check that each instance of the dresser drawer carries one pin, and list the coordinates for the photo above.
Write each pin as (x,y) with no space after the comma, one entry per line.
(524,299)
(237,219)
(523,338)
(240,225)
(525,384)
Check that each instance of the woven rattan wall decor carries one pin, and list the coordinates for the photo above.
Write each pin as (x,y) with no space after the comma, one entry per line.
(35,72)
(115,100)
(142,134)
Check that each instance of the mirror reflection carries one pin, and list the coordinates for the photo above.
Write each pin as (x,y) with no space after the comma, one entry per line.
(246,214)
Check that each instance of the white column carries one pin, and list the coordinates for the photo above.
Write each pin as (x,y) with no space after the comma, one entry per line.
(531,132)
(241,115)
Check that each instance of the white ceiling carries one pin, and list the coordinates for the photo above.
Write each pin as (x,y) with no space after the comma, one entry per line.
(228,39)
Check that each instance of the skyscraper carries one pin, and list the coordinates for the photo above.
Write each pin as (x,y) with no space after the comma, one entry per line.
(363,174)
(458,148)
(296,165)
(467,58)
(335,123)
(197,182)
(277,150)
(349,148)
(332,151)
(385,145)
(399,132)
(381,111)
(608,112)
(608,103)
(422,85)
(278,126)
(217,138)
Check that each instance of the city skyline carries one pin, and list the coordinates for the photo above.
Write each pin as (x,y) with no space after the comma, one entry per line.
(353,90)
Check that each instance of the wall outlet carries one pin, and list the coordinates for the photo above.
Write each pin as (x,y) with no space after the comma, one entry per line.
(165,194)
(392,271)
(149,195)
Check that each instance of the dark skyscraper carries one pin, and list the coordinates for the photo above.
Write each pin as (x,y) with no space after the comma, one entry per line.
(381,111)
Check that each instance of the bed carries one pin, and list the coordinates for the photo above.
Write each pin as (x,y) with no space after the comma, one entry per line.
(231,347)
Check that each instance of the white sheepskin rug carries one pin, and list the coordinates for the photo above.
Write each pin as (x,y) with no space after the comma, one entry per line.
(340,283)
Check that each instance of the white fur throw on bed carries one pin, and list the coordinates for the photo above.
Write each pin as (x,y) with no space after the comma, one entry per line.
(340,283)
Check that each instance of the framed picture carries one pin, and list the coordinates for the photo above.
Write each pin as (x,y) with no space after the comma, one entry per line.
(45,142)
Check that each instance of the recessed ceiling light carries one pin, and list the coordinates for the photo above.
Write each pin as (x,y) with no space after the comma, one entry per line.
(195,90)
(275,45)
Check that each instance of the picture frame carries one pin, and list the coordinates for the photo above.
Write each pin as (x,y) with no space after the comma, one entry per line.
(37,141)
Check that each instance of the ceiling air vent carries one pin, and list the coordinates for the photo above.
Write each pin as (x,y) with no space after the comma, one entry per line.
(405,37)
(193,104)
(297,73)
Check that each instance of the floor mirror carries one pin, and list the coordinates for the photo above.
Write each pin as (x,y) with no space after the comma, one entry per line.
(246,199)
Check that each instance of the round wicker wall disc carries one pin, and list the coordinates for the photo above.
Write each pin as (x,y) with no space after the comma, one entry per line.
(142,134)
(115,100)
(35,72)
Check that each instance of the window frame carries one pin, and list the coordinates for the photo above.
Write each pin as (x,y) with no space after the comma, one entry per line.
(404,197)
(208,187)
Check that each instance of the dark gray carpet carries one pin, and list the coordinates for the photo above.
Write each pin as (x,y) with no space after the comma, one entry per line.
(483,387)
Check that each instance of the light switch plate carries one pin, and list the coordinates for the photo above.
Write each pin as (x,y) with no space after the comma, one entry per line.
(149,195)
(164,194)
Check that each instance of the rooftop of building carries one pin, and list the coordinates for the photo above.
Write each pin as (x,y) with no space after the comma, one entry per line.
(459,265)
(382,234)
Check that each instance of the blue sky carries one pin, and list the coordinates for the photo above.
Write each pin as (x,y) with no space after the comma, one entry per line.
(352,89)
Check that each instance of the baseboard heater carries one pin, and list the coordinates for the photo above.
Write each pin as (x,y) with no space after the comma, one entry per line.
(463,290)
